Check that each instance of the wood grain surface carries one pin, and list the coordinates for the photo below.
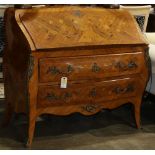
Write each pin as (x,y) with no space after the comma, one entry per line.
(75,26)
(101,52)
(90,67)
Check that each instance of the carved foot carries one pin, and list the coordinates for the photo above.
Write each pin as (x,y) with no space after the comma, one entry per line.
(28,144)
(31,129)
(137,110)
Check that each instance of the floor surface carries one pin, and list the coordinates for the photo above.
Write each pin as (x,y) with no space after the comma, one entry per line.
(106,130)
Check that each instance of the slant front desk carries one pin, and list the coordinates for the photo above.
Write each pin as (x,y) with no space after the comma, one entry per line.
(70,59)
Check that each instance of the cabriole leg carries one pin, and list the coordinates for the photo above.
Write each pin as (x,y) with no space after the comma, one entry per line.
(31,129)
(137,112)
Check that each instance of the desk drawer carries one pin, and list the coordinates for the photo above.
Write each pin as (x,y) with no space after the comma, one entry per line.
(92,67)
(85,93)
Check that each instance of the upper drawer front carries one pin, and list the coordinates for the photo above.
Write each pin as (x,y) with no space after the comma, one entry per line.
(85,93)
(92,67)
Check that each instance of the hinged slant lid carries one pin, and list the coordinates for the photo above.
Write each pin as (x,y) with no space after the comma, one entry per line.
(47,28)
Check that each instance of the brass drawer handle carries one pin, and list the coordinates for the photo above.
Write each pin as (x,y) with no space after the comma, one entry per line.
(54,70)
(122,66)
(119,89)
(95,68)
(51,96)
(69,69)
(132,64)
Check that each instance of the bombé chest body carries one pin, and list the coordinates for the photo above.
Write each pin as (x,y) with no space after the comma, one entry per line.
(73,59)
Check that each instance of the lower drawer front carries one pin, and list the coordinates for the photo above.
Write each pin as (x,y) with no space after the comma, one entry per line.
(85,93)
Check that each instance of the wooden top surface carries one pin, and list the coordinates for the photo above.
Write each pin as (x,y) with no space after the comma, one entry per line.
(72,26)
